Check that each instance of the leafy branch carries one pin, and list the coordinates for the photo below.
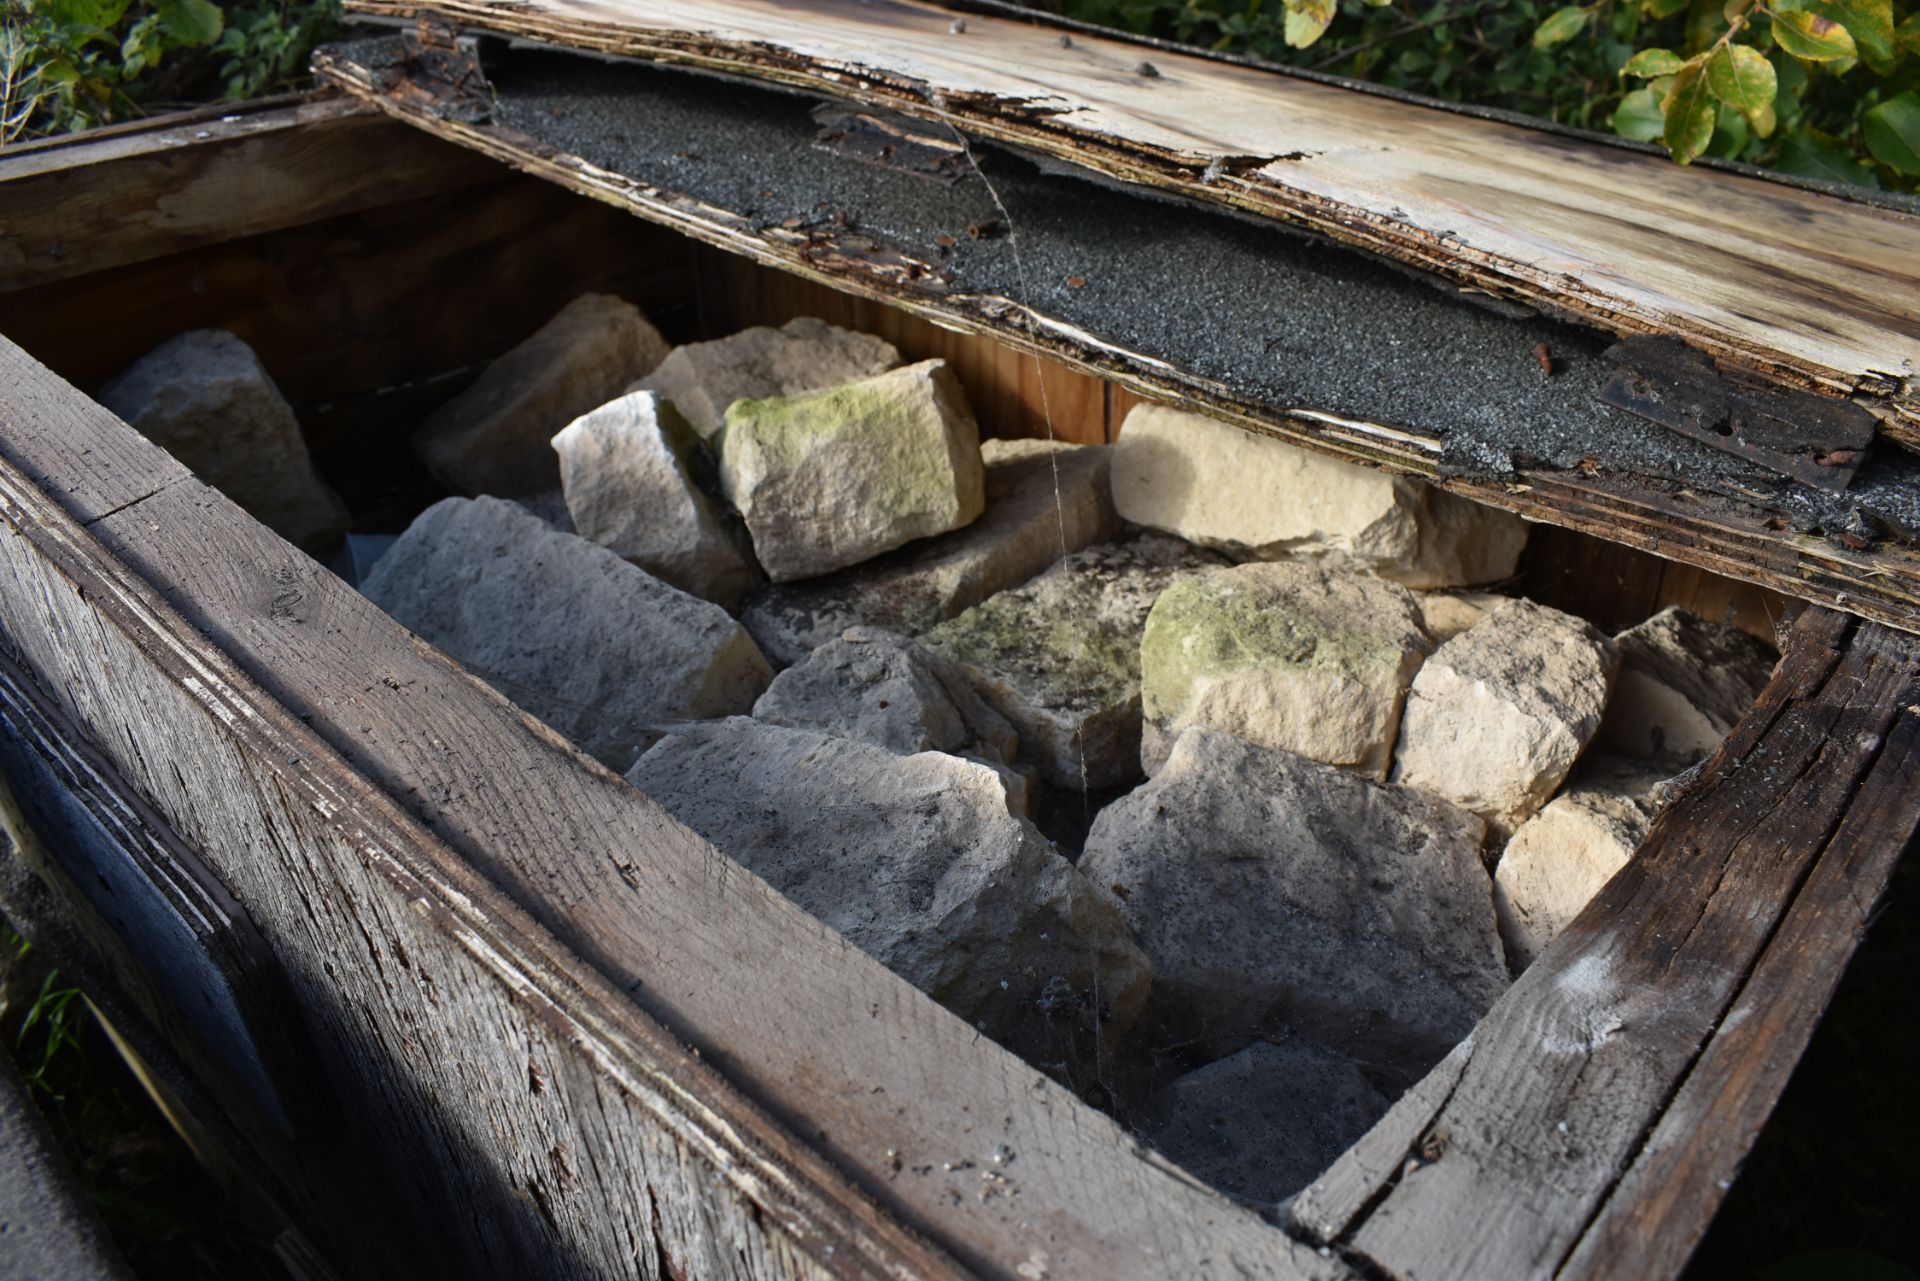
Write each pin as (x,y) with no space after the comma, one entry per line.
(1824,88)
(72,64)
(1745,71)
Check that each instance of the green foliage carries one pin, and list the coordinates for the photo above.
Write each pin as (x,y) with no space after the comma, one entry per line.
(1892,131)
(47,1044)
(1824,89)
(267,45)
(50,1033)
(74,64)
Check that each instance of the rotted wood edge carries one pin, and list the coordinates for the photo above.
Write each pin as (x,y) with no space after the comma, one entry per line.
(1031,127)
(1632,1066)
(1716,1116)
(64,587)
(1882,584)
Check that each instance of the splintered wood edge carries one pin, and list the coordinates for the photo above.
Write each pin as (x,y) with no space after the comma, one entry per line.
(567,937)
(818,1208)
(1880,584)
(1647,1212)
(1138,162)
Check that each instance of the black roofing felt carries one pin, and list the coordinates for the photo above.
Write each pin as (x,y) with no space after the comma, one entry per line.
(1281,318)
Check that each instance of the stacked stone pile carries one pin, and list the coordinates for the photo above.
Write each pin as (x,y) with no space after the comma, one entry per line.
(1332,786)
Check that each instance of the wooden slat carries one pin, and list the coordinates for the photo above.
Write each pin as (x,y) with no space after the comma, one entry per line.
(1668,1197)
(176,185)
(1810,288)
(1649,1014)
(306,676)
(1614,586)
(1881,582)
(1326,1208)
(108,894)
(348,306)
(509,1104)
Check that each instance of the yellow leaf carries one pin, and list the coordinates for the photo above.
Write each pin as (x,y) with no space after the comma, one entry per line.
(1742,78)
(1307,20)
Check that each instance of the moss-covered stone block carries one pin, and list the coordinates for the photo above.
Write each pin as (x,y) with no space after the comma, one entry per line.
(1287,655)
(830,478)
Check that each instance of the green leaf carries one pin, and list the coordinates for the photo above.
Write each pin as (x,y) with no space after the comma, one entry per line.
(1812,154)
(1869,22)
(1561,26)
(1691,112)
(1639,116)
(1730,135)
(1892,132)
(1793,76)
(1813,37)
(190,22)
(1906,37)
(86,13)
(1742,78)
(1663,8)
(1307,20)
(1653,62)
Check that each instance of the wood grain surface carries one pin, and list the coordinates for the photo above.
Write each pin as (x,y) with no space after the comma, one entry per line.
(1813,289)
(105,202)
(1592,1124)
(364,797)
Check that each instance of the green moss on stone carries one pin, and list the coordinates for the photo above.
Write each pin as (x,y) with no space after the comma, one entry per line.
(1070,654)
(784,438)
(1212,626)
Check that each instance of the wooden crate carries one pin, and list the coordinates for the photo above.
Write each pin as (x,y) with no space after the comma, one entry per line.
(466,1004)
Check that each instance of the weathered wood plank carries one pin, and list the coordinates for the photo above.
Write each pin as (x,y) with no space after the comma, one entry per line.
(1665,1201)
(1749,544)
(71,447)
(443,1015)
(1577,1063)
(1807,287)
(175,185)
(1614,586)
(887,1086)
(392,296)
(1326,1208)
(113,900)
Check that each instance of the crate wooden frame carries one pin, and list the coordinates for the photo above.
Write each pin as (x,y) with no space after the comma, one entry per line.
(527,1024)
